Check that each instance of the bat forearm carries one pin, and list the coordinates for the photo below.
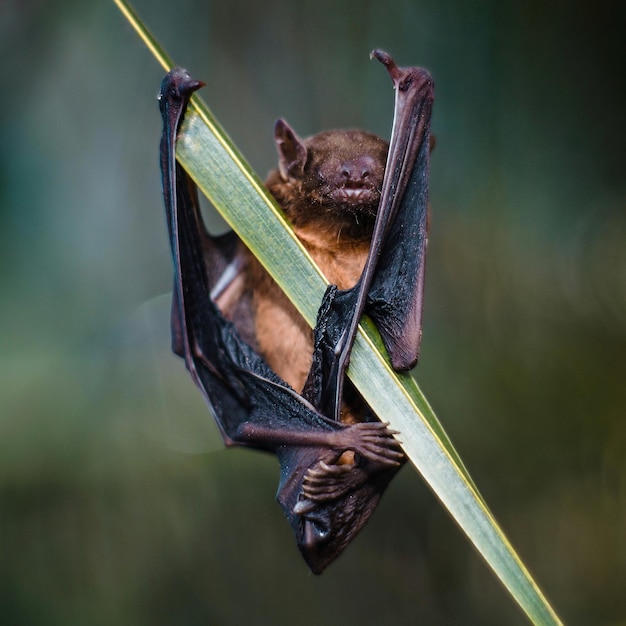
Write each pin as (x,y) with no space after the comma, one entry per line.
(371,440)
(253,434)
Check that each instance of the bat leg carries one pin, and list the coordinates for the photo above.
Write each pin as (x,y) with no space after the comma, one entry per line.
(373,442)
(370,448)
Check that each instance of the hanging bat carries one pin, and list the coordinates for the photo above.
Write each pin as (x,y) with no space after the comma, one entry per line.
(359,206)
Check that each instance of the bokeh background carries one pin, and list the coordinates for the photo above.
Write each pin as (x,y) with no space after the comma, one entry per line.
(118,504)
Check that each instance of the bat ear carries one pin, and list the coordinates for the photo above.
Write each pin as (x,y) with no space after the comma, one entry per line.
(292,152)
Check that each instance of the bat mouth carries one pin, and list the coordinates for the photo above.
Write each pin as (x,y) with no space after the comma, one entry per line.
(355,195)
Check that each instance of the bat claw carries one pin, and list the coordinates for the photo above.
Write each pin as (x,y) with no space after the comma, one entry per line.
(387,60)
(329,481)
(373,441)
(179,84)
(324,471)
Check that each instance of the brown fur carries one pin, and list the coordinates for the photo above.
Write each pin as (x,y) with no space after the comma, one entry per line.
(336,233)
(284,338)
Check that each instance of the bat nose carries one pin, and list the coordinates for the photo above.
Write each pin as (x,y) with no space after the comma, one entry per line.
(356,171)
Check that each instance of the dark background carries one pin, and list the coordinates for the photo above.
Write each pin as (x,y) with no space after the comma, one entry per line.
(118,504)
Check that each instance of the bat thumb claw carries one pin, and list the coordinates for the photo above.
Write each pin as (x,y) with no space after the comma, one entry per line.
(387,60)
(190,86)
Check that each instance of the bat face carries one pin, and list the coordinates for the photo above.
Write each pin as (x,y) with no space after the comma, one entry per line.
(347,183)
(331,180)
(344,170)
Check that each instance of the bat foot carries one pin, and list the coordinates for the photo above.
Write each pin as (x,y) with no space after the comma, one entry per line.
(365,448)
(329,481)
(373,442)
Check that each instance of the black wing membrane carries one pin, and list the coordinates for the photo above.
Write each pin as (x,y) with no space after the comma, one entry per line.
(248,400)
(394,299)
(391,286)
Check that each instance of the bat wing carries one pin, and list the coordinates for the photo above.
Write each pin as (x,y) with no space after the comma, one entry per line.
(391,286)
(394,298)
(251,404)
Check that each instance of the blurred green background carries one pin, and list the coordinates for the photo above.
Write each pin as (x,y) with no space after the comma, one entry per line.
(118,504)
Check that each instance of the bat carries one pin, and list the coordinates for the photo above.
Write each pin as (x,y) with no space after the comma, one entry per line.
(360,206)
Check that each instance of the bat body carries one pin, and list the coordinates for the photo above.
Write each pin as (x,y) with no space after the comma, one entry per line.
(330,196)
(359,206)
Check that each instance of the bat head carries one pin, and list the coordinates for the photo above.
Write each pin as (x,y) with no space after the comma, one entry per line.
(333,178)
